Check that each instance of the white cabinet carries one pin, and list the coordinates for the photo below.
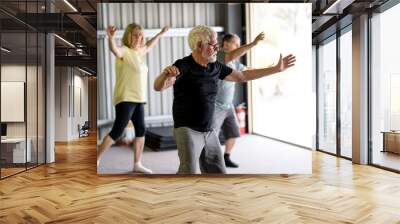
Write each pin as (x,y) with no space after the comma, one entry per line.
(17,148)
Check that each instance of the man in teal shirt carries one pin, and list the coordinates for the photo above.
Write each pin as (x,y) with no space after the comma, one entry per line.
(225,116)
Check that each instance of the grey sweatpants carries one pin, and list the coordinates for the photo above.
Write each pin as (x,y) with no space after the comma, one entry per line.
(201,148)
(226,120)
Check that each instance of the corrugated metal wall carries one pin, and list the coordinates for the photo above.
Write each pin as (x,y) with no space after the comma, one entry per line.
(150,16)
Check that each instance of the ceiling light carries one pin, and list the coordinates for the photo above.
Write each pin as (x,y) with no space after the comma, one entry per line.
(70,5)
(65,41)
(84,71)
(337,7)
(5,50)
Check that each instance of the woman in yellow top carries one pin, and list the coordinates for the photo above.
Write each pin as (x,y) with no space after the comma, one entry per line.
(130,88)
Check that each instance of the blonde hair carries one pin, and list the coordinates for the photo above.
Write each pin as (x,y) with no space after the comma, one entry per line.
(199,34)
(128,30)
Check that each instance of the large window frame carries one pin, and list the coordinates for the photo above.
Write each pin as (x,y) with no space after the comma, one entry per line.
(344,82)
(389,4)
(335,37)
(35,120)
(381,9)
(328,40)
(275,89)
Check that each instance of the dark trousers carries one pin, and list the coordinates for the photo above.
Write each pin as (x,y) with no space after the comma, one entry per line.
(126,111)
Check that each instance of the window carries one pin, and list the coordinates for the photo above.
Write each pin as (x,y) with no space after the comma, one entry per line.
(22,75)
(283,105)
(385,88)
(346,93)
(327,95)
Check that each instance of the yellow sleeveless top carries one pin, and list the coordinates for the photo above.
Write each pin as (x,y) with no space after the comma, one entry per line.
(131,77)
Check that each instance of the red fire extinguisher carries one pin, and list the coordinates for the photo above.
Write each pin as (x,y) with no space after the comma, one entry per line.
(241,116)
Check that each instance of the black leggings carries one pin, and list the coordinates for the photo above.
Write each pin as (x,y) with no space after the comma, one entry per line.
(125,111)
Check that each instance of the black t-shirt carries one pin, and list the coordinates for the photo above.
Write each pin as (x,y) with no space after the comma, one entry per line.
(195,90)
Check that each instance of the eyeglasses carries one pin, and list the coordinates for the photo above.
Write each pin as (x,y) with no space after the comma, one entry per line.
(215,46)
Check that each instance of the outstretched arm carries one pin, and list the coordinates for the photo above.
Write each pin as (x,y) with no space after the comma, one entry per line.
(283,64)
(239,52)
(153,41)
(166,78)
(117,51)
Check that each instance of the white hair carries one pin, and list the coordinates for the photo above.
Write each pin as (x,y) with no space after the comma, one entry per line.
(199,34)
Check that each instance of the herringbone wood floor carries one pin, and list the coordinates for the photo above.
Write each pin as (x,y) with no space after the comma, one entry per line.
(70,191)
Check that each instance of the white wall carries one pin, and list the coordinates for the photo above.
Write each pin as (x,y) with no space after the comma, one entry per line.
(14,73)
(17,73)
(61,103)
(70,83)
(33,126)
(79,117)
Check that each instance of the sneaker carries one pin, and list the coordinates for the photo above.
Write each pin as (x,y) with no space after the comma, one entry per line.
(229,162)
(139,168)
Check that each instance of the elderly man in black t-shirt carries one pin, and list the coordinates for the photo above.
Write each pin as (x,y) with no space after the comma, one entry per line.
(195,80)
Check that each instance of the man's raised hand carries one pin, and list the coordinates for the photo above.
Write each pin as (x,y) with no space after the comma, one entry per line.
(285,62)
(171,71)
(259,37)
(165,29)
